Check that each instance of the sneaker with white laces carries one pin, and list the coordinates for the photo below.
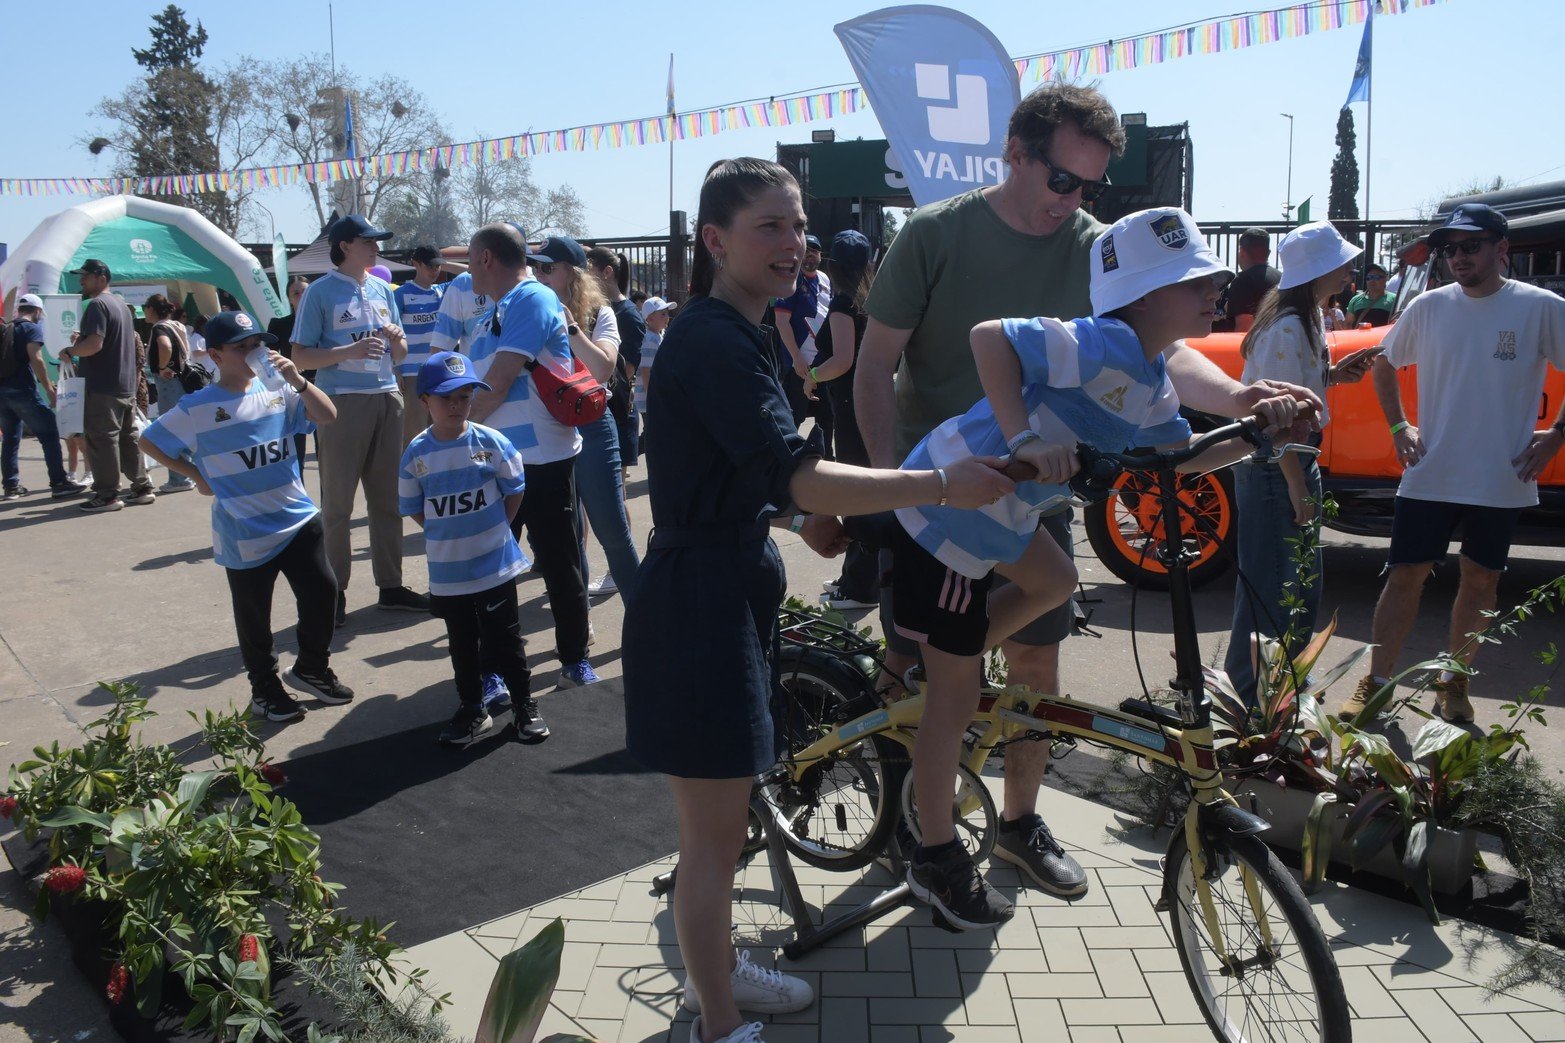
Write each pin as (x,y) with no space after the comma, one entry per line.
(322,684)
(1029,845)
(270,702)
(68,489)
(759,990)
(750,1033)
(946,878)
(604,584)
(577,675)
(177,485)
(141,497)
(497,695)
(470,723)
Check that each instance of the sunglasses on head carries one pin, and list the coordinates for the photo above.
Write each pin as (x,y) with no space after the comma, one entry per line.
(1063,182)
(1466,246)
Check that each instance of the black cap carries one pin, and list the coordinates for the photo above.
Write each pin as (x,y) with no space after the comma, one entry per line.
(231,327)
(558,248)
(850,248)
(1473,217)
(428,255)
(354,226)
(92,266)
(811,243)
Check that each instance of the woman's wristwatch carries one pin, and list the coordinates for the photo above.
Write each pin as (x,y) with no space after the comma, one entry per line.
(572,330)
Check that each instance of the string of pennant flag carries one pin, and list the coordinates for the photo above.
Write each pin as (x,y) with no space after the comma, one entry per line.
(1234,32)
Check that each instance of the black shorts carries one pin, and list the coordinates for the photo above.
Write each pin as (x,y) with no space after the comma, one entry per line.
(934,605)
(1421,532)
(1050,628)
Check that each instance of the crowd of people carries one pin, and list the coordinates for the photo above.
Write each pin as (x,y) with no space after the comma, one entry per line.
(1003,324)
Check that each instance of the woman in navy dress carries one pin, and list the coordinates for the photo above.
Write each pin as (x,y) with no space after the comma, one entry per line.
(700,641)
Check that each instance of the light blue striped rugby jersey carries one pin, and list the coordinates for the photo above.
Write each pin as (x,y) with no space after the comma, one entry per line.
(460,488)
(419,308)
(457,318)
(243,446)
(532,324)
(1087,380)
(336,311)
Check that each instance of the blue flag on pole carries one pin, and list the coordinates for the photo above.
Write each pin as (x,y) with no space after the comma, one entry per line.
(347,127)
(1360,89)
(943,89)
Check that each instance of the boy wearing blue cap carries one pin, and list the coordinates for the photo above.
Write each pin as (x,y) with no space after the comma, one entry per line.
(1048,385)
(462,483)
(235,439)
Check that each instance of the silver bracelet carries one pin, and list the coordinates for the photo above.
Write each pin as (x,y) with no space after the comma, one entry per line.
(1021,439)
(945,485)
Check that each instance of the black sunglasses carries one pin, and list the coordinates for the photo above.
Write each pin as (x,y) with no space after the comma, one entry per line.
(1063,182)
(547,268)
(1466,246)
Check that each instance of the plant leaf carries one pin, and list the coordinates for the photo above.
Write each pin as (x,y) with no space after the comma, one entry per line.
(519,994)
(1316,842)
(1368,807)
(193,787)
(1435,736)
(1376,834)
(75,816)
(1336,673)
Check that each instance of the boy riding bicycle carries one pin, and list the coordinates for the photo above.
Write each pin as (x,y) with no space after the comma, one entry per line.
(1048,385)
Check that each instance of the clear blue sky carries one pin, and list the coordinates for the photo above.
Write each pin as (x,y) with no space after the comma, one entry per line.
(1460,88)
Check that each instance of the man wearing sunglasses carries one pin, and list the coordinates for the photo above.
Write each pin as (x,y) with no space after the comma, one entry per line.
(1020,248)
(1473,459)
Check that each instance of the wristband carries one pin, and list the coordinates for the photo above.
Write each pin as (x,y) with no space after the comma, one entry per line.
(797,523)
(1399,426)
(1022,438)
(813,376)
(945,485)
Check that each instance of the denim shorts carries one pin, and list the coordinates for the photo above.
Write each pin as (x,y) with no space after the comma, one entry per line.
(1421,532)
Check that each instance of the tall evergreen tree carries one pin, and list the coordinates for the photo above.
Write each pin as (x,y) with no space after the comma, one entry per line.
(1344,201)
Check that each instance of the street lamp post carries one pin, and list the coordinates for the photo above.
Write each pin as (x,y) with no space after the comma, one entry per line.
(1287,206)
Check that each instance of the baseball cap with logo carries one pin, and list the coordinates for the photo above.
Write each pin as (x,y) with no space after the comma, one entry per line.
(30,300)
(559,249)
(231,327)
(656,304)
(354,226)
(445,372)
(1313,250)
(91,266)
(1146,251)
(1472,217)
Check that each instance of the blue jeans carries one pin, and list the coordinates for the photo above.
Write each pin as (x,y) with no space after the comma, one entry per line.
(20,406)
(1268,563)
(599,485)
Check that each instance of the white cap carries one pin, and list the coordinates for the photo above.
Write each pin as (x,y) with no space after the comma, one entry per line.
(30,300)
(1146,251)
(652,304)
(1310,251)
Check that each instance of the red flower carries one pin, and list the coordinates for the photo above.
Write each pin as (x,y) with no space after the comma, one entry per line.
(271,773)
(119,981)
(62,880)
(249,948)
(7,806)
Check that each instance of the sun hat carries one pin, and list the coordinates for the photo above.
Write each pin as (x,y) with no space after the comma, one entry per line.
(656,304)
(1146,251)
(1310,251)
(445,372)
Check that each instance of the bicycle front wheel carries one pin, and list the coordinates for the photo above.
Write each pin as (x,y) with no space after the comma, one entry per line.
(1268,976)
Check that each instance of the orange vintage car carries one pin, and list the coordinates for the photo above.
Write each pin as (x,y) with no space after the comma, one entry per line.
(1358,466)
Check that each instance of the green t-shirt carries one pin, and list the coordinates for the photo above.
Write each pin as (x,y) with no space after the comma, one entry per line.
(956,264)
(1361,303)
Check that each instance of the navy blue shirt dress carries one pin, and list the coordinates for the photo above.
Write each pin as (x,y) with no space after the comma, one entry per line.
(700,639)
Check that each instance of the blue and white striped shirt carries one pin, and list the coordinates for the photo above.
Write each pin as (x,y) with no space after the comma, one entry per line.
(419,308)
(243,446)
(336,311)
(532,324)
(1087,380)
(457,318)
(460,488)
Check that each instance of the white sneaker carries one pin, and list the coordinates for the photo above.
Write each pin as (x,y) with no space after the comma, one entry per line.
(750,1033)
(760,991)
(602,585)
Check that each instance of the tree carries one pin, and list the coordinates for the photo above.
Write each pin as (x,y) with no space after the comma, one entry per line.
(506,191)
(1344,200)
(425,211)
(177,120)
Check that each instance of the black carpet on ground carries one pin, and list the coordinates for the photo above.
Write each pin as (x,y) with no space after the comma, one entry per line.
(439,839)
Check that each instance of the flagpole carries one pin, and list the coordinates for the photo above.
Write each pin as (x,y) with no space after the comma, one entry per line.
(672,120)
(1369,148)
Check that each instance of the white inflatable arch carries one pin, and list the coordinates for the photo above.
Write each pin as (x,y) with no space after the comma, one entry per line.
(141,240)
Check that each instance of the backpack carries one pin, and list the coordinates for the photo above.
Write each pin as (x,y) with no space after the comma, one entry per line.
(10,356)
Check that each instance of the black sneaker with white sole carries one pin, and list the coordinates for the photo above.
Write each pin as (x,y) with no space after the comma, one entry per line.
(322,684)
(530,725)
(470,723)
(947,879)
(269,702)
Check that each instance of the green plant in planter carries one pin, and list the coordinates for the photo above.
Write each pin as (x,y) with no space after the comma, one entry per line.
(189,862)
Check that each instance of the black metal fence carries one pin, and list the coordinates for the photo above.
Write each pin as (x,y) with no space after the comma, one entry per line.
(1379,238)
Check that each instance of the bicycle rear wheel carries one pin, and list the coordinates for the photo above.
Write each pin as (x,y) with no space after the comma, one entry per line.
(840,812)
(1285,990)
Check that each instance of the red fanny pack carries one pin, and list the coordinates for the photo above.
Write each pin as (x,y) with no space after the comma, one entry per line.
(575,400)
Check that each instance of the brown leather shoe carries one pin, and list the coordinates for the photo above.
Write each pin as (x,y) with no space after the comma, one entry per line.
(1359,699)
(1451,702)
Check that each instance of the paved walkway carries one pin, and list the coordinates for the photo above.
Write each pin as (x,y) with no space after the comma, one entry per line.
(1098,970)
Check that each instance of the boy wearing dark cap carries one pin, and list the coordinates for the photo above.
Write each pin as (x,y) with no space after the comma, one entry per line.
(419,303)
(234,439)
(462,483)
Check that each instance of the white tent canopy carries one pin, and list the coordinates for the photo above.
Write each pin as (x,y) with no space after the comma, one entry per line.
(141,240)
(315,259)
